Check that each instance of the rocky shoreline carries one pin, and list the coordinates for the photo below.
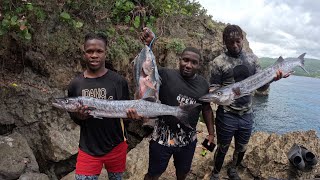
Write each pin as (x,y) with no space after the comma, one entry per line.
(265,158)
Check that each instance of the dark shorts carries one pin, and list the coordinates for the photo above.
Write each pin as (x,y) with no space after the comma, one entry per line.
(230,125)
(159,156)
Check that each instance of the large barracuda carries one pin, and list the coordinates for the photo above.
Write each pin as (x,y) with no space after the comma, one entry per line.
(146,74)
(227,94)
(100,108)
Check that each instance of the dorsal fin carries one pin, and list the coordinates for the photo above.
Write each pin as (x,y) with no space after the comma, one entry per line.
(279,60)
(150,98)
(302,56)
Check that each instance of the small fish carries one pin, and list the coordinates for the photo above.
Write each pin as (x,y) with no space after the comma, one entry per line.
(147,107)
(227,94)
(146,75)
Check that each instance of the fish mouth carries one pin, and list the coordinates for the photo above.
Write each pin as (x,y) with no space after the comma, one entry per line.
(57,105)
(206,99)
(209,98)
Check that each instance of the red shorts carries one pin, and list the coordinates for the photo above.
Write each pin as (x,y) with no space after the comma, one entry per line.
(114,161)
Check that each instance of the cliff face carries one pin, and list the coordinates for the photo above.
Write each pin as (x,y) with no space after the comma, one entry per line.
(33,73)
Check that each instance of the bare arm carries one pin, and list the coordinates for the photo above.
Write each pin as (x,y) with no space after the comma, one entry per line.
(208,119)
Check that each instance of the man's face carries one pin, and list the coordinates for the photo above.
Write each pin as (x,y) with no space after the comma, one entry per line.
(234,43)
(189,64)
(95,54)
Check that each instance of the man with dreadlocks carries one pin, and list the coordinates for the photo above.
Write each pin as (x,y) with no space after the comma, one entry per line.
(235,120)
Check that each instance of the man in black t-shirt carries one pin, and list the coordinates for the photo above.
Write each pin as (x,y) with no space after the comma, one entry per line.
(171,138)
(102,141)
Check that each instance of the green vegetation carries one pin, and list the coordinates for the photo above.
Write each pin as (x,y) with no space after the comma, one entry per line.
(66,17)
(23,18)
(177,45)
(15,18)
(138,14)
(311,65)
(118,51)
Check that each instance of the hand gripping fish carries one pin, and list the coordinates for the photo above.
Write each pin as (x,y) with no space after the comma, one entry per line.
(100,108)
(227,94)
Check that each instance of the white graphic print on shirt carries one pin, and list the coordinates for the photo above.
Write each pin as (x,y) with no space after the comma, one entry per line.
(178,137)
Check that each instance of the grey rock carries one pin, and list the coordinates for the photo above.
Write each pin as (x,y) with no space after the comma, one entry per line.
(16,157)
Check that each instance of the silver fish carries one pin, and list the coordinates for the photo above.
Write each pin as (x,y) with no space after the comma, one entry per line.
(100,108)
(227,94)
(146,74)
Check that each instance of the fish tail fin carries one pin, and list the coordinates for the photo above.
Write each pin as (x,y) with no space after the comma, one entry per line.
(301,58)
(183,113)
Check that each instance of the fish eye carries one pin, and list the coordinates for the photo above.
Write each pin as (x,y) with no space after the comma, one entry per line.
(66,101)
(218,93)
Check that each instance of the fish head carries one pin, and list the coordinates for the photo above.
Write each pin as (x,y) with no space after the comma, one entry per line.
(143,62)
(147,67)
(68,104)
(221,96)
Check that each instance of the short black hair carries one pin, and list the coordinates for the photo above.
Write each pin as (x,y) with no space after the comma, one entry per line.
(99,36)
(191,49)
(231,28)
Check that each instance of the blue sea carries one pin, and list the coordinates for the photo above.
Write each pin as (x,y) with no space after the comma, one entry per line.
(293,104)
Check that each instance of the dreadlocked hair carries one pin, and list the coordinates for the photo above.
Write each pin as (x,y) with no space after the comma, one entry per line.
(231,29)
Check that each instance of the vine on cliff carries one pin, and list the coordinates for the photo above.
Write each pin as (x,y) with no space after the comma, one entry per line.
(15,16)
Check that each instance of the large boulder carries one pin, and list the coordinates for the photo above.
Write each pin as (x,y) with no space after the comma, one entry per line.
(61,144)
(16,157)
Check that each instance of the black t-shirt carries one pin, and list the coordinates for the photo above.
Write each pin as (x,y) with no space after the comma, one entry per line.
(174,91)
(100,136)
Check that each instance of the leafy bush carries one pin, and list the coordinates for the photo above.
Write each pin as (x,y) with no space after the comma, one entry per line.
(66,17)
(15,18)
(177,45)
(15,15)
(144,13)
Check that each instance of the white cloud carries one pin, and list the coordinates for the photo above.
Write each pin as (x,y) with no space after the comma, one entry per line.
(288,28)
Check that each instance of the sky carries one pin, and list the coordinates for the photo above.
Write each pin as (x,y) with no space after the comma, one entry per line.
(274,28)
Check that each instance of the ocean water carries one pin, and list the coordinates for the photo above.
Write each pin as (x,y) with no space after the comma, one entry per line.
(293,104)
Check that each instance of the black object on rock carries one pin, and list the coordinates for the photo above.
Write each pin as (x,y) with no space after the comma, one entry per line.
(301,158)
